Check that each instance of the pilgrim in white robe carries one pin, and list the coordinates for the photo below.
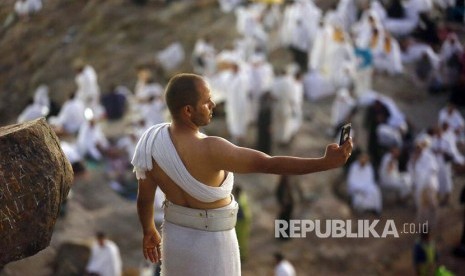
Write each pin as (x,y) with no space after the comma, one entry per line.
(347,12)
(27,7)
(283,92)
(451,49)
(31,112)
(316,86)
(185,249)
(387,57)
(363,29)
(91,140)
(88,90)
(284,268)
(333,54)
(423,168)
(297,104)
(203,57)
(71,116)
(40,107)
(391,178)
(236,105)
(453,118)
(171,57)
(404,26)
(342,106)
(362,188)
(153,111)
(308,14)
(397,119)
(441,149)
(261,78)
(105,260)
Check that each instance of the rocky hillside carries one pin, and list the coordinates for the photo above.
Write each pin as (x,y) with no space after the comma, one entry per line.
(113,36)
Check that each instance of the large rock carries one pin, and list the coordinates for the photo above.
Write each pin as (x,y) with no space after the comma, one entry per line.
(35,178)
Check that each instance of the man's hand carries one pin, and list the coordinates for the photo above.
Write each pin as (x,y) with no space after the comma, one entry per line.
(338,155)
(151,246)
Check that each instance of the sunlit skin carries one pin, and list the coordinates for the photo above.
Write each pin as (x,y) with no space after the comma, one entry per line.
(209,159)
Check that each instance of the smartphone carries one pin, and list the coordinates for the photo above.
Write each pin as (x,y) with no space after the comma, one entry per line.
(345,133)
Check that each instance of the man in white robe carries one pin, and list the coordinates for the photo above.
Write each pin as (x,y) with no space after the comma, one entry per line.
(285,109)
(105,259)
(423,168)
(237,103)
(203,57)
(362,188)
(40,107)
(88,90)
(283,267)
(261,78)
(452,116)
(91,141)
(342,107)
(441,147)
(449,54)
(24,8)
(387,57)
(404,26)
(71,116)
(195,171)
(391,178)
(297,103)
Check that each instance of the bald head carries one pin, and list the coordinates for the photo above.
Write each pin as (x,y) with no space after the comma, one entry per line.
(182,90)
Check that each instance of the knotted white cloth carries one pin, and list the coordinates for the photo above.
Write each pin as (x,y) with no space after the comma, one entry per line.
(156,143)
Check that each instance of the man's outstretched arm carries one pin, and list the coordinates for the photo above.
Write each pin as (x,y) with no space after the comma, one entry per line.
(227,156)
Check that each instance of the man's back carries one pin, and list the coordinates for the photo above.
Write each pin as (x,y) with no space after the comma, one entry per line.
(193,150)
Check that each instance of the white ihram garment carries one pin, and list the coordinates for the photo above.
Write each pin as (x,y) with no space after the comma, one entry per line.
(187,251)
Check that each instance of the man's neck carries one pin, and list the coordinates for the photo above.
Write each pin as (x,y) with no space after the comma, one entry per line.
(184,126)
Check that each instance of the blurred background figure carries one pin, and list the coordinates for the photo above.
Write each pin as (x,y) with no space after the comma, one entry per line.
(425,256)
(286,201)
(282,266)
(362,187)
(244,221)
(105,259)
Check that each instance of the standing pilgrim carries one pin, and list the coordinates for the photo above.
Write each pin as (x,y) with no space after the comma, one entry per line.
(195,172)
(237,104)
(88,90)
(283,92)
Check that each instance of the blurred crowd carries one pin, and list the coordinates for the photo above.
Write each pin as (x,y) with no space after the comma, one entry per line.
(337,53)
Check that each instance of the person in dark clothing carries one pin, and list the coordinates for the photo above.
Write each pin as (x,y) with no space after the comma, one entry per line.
(114,103)
(376,114)
(264,121)
(459,251)
(425,255)
(427,30)
(396,10)
(285,200)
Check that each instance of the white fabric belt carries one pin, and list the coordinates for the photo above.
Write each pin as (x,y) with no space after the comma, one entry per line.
(212,220)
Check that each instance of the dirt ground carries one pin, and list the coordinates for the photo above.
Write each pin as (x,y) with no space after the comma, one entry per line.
(95,206)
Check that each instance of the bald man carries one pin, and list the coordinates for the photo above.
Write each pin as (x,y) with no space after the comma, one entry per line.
(195,172)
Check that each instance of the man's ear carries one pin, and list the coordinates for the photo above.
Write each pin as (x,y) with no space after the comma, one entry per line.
(187,110)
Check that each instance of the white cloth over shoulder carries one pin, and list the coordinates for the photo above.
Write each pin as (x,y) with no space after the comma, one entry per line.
(156,143)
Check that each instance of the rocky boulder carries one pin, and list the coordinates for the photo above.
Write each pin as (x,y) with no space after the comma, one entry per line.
(35,178)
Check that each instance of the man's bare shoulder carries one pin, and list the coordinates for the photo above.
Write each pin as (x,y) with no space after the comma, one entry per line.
(216,142)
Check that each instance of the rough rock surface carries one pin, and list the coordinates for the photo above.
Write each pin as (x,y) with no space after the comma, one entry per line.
(35,178)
